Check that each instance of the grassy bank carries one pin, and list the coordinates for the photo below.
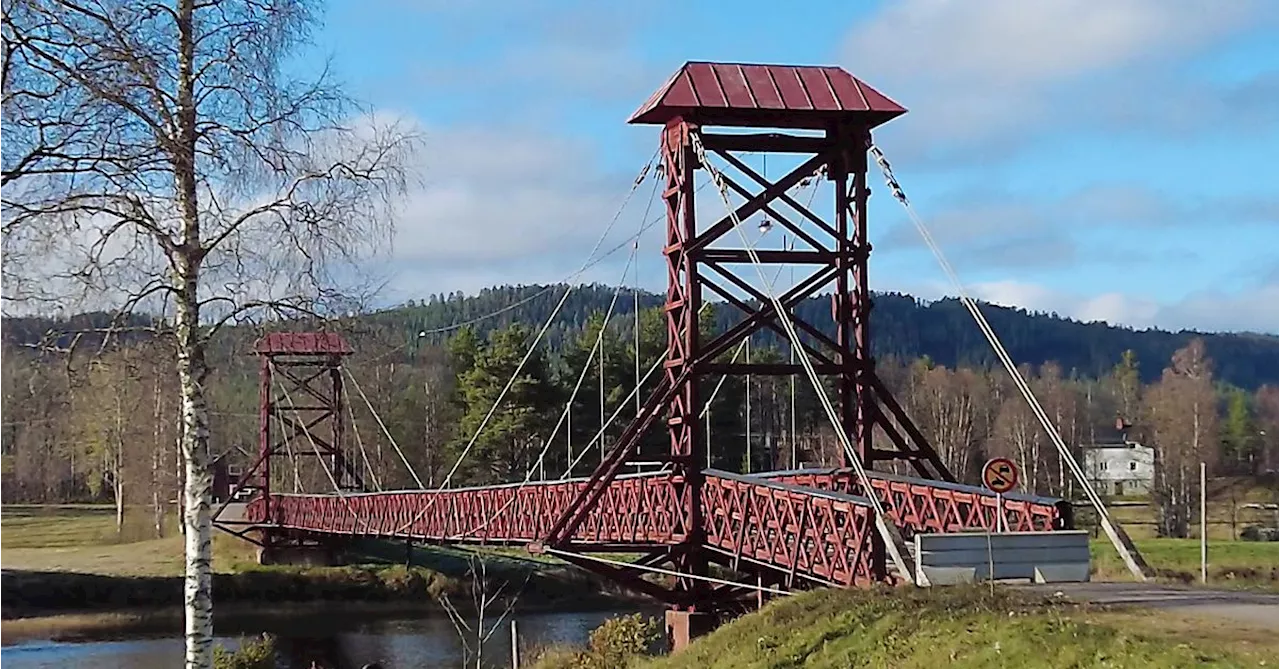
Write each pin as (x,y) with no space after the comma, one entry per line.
(955,627)
(1231,563)
(70,559)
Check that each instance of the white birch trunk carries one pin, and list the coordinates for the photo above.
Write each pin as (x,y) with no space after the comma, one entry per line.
(115,464)
(157,509)
(197,496)
(198,483)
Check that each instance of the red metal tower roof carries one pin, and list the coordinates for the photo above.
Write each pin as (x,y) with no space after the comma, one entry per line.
(781,96)
(302,343)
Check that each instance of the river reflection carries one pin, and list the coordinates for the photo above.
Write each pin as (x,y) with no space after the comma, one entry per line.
(337,641)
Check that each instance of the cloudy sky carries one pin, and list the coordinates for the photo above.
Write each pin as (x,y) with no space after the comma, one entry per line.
(1102,160)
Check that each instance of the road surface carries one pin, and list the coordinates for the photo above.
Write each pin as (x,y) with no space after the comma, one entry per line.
(1253,609)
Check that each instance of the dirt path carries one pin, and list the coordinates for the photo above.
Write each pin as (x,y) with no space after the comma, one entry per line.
(1252,609)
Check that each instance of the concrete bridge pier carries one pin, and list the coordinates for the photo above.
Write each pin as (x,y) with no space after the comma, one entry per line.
(685,626)
(277,549)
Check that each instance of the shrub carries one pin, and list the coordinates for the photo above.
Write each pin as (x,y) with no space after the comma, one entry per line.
(258,653)
(616,643)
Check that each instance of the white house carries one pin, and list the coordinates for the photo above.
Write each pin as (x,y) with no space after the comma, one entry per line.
(1123,468)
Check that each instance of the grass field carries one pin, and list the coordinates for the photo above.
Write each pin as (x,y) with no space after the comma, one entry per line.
(954,627)
(83,538)
(1230,563)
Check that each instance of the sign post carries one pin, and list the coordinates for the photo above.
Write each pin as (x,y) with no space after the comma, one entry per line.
(1000,476)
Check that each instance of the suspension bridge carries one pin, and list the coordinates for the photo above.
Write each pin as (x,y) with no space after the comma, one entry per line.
(711,536)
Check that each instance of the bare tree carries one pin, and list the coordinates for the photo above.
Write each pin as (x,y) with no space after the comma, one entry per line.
(474,637)
(1181,417)
(1267,406)
(952,409)
(160,157)
(105,406)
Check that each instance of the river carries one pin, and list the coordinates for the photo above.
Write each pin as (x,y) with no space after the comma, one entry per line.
(334,641)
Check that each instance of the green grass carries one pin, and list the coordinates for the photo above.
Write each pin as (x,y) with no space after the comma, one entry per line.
(960,627)
(82,538)
(1231,563)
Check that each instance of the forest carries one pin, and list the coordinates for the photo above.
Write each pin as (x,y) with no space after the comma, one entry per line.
(91,418)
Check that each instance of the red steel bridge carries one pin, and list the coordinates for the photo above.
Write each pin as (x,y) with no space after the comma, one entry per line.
(778,529)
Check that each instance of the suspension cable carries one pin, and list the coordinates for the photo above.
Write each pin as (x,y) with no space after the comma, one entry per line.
(898,555)
(668,572)
(591,261)
(288,449)
(368,468)
(528,354)
(315,448)
(385,431)
(1128,552)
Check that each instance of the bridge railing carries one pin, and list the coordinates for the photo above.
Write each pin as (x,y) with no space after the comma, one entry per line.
(637,510)
(813,524)
(920,505)
(821,535)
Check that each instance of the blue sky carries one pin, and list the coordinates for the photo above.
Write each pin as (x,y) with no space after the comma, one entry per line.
(1102,160)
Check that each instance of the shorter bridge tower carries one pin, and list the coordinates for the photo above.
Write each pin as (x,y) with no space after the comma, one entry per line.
(301,433)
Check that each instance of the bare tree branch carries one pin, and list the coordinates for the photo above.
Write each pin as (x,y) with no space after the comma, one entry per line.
(161,157)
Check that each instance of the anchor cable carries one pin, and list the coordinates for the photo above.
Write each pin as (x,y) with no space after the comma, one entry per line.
(1132,559)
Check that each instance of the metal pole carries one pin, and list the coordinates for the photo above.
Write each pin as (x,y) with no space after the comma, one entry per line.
(791,379)
(636,306)
(602,418)
(1204,526)
(515,647)
(748,406)
(1000,520)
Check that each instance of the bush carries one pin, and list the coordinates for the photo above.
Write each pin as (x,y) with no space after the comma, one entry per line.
(258,653)
(616,643)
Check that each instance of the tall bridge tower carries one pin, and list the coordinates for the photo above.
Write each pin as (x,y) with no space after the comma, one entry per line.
(825,115)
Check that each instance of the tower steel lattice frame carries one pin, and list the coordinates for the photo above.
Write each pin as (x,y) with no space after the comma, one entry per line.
(728,95)
(301,409)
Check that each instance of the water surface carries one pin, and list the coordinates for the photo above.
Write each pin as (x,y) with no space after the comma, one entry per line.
(333,641)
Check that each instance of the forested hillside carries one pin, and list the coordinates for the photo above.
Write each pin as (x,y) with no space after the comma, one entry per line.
(101,421)
(901,326)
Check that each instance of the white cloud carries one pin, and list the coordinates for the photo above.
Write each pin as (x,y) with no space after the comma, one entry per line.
(982,72)
(1109,307)
(508,206)
(1255,309)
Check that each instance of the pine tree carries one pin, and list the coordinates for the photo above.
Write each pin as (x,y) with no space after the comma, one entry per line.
(510,441)
(1239,433)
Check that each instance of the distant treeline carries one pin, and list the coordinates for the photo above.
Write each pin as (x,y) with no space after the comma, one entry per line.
(101,422)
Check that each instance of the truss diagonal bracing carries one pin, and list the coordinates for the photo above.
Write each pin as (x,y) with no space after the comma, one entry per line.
(782,528)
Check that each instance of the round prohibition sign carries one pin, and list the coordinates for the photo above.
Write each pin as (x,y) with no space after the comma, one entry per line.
(1000,475)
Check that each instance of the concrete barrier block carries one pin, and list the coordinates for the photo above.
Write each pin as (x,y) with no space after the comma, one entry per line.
(1070,572)
(928,576)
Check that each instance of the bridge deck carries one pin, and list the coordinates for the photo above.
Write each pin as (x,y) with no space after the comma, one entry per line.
(811,523)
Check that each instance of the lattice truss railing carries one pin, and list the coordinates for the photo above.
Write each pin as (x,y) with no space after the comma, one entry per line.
(916,505)
(818,535)
(633,511)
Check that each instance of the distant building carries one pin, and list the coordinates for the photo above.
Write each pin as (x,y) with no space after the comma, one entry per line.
(1121,468)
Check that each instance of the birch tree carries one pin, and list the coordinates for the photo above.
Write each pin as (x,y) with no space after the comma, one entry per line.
(1181,418)
(167,157)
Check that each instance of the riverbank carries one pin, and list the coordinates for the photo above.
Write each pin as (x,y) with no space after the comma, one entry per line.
(69,565)
(962,627)
(30,594)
